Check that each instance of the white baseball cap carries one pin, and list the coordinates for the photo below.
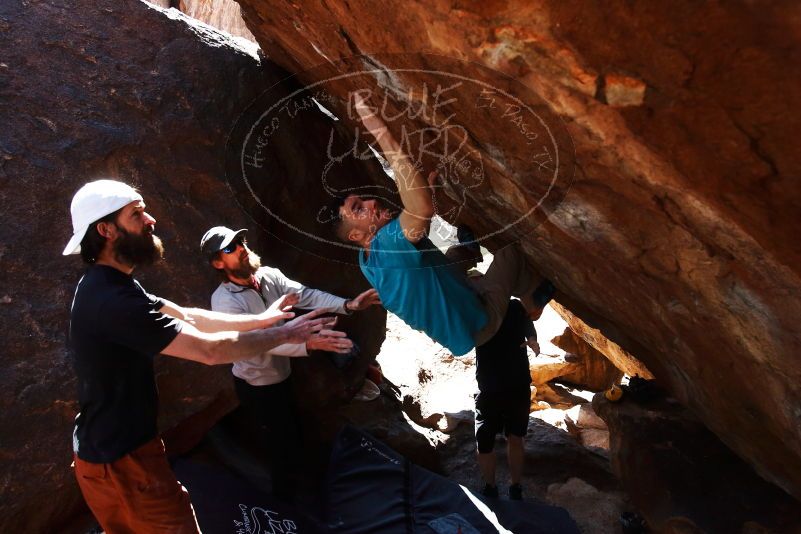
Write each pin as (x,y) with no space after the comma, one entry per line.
(94,201)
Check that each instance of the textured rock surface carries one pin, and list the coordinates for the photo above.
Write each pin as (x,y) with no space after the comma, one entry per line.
(225,15)
(678,473)
(595,371)
(91,89)
(544,368)
(676,236)
(621,358)
(594,511)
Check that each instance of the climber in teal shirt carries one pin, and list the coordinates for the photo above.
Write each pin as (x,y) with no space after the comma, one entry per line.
(413,278)
(418,285)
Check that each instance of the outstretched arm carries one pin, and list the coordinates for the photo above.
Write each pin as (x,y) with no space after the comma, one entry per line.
(418,206)
(226,347)
(213,321)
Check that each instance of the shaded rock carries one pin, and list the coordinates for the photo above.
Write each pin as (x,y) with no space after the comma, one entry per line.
(554,455)
(594,437)
(595,371)
(682,478)
(582,422)
(585,417)
(93,89)
(384,419)
(676,236)
(594,511)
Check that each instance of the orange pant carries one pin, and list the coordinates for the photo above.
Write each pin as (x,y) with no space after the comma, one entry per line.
(137,494)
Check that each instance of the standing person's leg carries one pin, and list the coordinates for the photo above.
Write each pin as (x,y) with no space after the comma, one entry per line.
(516,415)
(286,439)
(486,464)
(514,447)
(270,410)
(252,403)
(102,497)
(158,503)
(488,425)
(137,493)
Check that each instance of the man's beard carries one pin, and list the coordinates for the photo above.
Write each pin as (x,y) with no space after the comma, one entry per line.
(138,249)
(248,268)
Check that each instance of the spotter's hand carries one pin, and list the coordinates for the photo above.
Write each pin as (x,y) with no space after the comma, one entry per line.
(363,301)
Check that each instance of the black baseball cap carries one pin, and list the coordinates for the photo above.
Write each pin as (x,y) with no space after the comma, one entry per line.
(218,238)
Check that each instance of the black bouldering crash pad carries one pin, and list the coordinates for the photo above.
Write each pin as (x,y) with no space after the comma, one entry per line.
(371,488)
(227,504)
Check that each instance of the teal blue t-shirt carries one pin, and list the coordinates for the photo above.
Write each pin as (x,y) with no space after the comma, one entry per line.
(416,283)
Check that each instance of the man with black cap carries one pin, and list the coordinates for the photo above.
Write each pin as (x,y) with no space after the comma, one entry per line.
(116,329)
(263,382)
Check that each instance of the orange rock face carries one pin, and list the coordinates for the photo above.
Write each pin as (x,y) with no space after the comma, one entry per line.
(595,372)
(621,359)
(223,14)
(677,237)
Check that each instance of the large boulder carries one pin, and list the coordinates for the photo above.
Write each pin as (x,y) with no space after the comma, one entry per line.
(620,358)
(595,371)
(94,89)
(678,473)
(676,236)
(594,511)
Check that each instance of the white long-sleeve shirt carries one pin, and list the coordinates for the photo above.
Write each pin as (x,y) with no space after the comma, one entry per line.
(272,366)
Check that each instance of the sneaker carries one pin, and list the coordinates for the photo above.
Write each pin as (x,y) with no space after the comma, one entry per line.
(490,491)
(515,492)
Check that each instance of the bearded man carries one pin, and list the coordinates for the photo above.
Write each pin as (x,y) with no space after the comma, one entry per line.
(116,329)
(263,382)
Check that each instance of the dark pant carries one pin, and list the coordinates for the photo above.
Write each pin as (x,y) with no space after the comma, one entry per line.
(505,411)
(271,411)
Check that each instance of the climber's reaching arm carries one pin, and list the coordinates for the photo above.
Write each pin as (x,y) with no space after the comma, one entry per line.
(414,189)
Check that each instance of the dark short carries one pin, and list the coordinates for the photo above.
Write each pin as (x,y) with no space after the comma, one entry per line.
(505,412)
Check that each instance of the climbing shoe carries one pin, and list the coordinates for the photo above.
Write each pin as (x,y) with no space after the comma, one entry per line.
(490,491)
(467,239)
(516,492)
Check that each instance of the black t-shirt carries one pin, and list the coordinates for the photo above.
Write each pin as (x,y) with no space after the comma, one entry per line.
(501,362)
(115,332)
